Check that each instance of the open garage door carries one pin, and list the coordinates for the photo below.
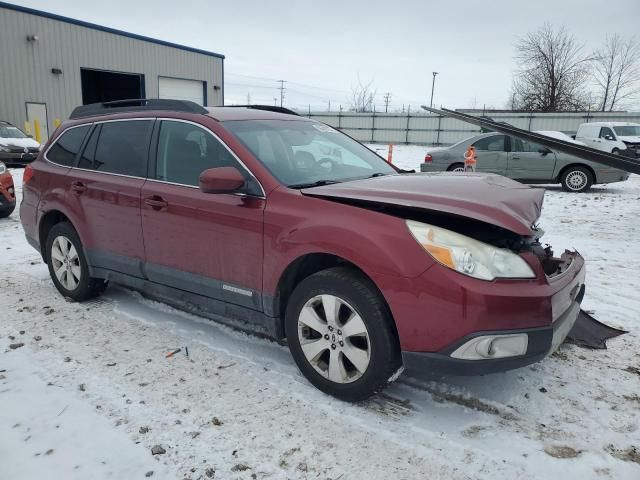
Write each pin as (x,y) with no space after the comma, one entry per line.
(181,89)
(104,86)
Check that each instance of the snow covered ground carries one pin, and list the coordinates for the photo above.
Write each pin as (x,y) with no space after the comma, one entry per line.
(91,392)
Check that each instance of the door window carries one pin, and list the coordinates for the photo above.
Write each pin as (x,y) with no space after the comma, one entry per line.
(607,132)
(520,145)
(186,150)
(491,144)
(66,148)
(119,147)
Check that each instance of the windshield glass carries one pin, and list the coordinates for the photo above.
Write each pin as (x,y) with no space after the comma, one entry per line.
(628,131)
(301,153)
(9,131)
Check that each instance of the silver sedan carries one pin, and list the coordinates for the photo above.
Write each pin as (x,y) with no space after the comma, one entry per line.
(522,160)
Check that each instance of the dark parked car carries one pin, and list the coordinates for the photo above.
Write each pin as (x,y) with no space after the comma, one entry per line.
(237,213)
(16,148)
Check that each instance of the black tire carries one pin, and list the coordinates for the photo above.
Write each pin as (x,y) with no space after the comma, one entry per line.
(5,212)
(572,174)
(87,287)
(359,292)
(615,151)
(453,166)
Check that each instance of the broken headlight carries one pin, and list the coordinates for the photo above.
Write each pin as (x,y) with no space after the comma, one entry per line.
(469,256)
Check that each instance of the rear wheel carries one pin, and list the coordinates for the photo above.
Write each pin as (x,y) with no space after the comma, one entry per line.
(456,167)
(576,179)
(68,266)
(340,334)
(5,212)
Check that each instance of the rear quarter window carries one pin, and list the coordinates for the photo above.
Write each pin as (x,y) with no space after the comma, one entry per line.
(66,147)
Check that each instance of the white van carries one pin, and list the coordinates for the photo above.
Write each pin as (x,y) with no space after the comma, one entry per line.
(613,137)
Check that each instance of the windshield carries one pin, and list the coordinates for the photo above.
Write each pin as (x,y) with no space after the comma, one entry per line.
(9,131)
(302,153)
(628,131)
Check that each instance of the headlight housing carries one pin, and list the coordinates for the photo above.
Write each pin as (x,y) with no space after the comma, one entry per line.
(468,256)
(3,168)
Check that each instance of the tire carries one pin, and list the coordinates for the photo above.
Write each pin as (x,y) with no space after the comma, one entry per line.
(5,212)
(576,179)
(74,282)
(375,351)
(615,151)
(456,167)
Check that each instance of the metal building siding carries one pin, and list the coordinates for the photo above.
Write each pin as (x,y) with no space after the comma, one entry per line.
(26,66)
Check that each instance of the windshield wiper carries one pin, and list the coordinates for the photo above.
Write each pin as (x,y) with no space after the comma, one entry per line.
(317,183)
(377,174)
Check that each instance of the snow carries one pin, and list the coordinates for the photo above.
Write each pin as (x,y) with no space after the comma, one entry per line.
(576,411)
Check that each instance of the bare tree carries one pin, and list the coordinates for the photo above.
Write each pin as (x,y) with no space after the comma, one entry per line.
(362,95)
(553,72)
(616,72)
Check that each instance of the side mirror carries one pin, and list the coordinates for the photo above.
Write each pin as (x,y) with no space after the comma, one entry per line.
(544,151)
(221,180)
(608,137)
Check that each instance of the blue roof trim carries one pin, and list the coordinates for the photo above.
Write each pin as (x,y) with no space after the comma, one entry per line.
(60,18)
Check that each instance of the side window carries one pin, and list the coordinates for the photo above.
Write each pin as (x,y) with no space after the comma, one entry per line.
(607,132)
(186,150)
(491,144)
(120,147)
(526,146)
(65,149)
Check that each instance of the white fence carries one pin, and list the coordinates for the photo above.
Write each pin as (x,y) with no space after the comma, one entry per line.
(430,129)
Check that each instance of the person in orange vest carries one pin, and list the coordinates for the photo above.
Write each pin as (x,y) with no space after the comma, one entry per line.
(470,159)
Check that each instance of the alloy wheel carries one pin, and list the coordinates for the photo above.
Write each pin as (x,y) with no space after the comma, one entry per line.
(576,180)
(66,263)
(334,338)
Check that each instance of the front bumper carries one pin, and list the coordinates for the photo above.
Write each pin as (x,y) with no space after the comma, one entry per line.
(7,194)
(17,159)
(542,341)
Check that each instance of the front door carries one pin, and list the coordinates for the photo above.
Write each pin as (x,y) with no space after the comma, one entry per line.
(104,191)
(37,119)
(209,244)
(530,161)
(492,154)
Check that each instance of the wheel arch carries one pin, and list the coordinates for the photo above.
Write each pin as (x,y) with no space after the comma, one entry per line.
(47,222)
(305,266)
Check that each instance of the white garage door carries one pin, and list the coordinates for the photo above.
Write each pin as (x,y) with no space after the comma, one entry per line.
(179,89)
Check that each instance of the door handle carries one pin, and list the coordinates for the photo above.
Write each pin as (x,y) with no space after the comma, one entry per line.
(515,158)
(156,202)
(78,187)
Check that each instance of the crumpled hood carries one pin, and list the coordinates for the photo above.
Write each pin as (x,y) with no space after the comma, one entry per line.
(629,139)
(485,197)
(19,142)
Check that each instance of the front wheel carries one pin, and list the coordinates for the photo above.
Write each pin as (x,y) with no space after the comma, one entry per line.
(68,266)
(341,334)
(576,179)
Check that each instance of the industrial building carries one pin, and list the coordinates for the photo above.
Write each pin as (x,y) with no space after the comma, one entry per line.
(51,64)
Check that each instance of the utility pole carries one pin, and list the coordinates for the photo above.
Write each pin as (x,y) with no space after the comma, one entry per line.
(387,100)
(433,86)
(275,102)
(282,89)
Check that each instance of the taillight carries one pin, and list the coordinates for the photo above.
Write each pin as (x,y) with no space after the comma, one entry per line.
(428,158)
(27,174)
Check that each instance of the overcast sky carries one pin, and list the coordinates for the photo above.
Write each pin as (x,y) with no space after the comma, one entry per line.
(321,47)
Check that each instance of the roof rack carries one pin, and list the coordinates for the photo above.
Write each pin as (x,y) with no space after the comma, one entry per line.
(268,108)
(136,105)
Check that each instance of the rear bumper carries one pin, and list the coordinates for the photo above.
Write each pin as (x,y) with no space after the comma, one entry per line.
(542,341)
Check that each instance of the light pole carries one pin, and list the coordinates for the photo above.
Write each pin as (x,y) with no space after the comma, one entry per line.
(433,85)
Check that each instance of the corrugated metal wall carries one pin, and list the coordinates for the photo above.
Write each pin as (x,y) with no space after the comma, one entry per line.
(26,66)
(430,129)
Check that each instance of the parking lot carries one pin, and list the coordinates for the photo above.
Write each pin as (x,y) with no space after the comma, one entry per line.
(237,407)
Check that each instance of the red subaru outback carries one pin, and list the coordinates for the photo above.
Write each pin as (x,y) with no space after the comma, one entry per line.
(275,223)
(7,192)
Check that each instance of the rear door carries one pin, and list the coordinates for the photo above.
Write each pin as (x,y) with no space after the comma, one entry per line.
(208,244)
(104,191)
(492,154)
(530,161)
